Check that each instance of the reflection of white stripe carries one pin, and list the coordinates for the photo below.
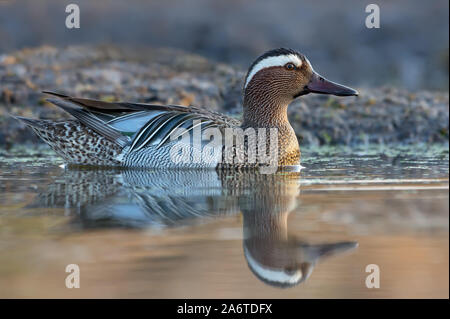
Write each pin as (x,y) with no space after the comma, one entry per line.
(428,181)
(272,275)
(279,60)
(376,188)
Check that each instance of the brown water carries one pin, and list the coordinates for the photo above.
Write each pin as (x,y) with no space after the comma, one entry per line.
(197,234)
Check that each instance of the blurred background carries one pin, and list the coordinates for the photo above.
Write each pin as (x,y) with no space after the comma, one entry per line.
(410,50)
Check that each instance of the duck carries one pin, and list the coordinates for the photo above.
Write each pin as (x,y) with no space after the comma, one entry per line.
(139,135)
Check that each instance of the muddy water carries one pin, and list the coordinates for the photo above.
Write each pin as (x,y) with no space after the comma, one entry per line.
(199,234)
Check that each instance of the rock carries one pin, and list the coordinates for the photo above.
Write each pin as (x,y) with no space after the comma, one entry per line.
(7,59)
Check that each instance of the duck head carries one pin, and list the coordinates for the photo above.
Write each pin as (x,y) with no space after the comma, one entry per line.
(279,76)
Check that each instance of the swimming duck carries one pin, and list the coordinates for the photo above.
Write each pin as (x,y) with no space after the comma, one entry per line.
(159,136)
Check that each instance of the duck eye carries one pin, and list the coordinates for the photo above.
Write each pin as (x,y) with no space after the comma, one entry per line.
(290,66)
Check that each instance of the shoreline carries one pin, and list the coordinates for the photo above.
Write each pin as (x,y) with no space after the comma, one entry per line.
(168,76)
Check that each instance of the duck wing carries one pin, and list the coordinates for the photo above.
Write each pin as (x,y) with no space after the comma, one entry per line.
(113,108)
(137,124)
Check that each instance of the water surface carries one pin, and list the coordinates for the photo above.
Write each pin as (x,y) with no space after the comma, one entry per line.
(200,234)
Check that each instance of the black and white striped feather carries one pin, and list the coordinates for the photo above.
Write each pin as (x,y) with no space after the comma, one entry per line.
(136,125)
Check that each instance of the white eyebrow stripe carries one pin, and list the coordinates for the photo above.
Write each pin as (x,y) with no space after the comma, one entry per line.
(279,60)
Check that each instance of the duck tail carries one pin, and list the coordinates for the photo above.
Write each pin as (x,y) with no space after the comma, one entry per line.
(43,128)
(33,123)
(76,143)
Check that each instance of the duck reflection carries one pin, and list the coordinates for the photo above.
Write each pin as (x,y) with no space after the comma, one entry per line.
(171,198)
(275,256)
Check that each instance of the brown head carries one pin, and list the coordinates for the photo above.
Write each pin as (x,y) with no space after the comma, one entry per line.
(275,79)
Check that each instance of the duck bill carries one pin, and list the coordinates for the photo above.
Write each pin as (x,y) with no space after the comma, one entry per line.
(319,84)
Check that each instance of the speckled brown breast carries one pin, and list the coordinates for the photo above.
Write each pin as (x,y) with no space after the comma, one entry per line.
(288,151)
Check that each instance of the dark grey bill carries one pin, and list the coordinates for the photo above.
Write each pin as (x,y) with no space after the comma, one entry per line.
(319,84)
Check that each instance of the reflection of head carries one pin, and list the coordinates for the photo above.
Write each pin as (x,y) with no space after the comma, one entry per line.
(284,265)
(275,257)
(280,277)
